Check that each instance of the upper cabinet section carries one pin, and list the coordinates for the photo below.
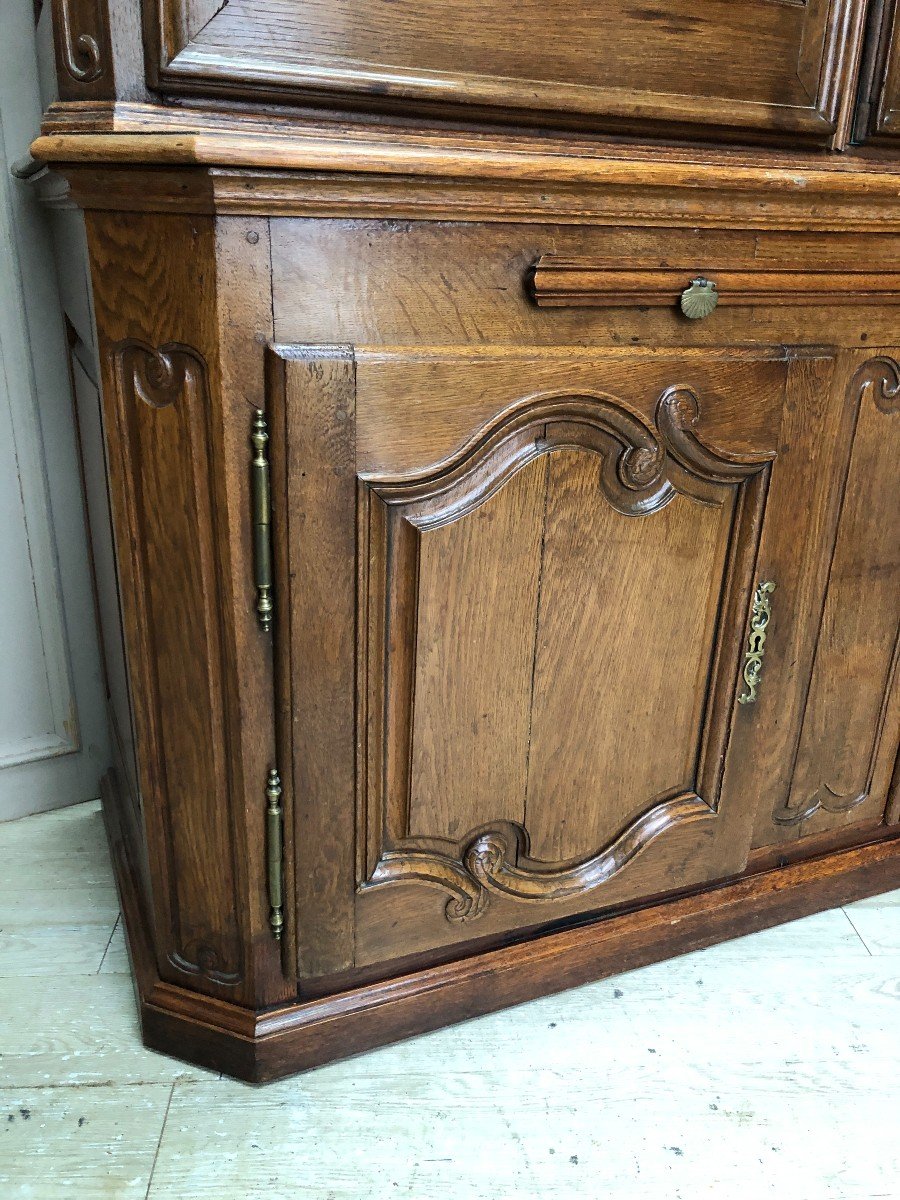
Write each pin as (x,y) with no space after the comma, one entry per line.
(778,71)
(878,113)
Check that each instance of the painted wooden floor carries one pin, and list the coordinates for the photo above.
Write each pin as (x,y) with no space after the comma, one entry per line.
(768,1067)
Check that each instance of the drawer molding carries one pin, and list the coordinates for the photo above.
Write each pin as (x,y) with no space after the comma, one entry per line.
(588,283)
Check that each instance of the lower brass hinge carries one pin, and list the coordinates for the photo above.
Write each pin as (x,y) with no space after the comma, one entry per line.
(275,853)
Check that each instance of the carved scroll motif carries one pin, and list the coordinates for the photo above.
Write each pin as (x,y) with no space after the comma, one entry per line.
(496,860)
(81,53)
(882,375)
(642,470)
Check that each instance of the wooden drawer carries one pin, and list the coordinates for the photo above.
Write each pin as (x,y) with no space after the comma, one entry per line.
(774,70)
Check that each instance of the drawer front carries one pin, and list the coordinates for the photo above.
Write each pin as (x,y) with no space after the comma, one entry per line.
(766,69)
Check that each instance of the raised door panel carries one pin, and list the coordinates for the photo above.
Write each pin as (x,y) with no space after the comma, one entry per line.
(624,639)
(848,739)
(776,69)
(521,702)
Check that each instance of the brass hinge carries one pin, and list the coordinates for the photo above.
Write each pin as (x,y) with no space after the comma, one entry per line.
(262,520)
(275,853)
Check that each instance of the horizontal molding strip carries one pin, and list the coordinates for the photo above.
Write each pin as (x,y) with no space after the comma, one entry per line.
(400,153)
(585,283)
(280,167)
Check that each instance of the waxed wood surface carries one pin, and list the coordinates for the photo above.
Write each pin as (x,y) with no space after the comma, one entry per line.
(167,490)
(777,70)
(833,660)
(314,462)
(478,595)
(625,626)
(851,725)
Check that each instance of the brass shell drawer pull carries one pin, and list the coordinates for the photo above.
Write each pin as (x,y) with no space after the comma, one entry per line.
(760,616)
(699,298)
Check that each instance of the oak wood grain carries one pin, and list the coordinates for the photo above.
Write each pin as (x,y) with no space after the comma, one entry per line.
(771,71)
(160,372)
(851,723)
(636,599)
(477,598)
(521,504)
(312,398)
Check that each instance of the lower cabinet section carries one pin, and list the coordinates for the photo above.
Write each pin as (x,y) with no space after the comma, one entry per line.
(463,672)
(563,630)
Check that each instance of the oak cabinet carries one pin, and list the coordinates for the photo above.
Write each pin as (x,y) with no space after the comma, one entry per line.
(505,512)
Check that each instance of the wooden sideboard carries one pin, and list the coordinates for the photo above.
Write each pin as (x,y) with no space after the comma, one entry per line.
(502,417)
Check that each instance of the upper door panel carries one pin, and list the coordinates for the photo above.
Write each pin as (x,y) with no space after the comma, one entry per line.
(772,70)
(878,112)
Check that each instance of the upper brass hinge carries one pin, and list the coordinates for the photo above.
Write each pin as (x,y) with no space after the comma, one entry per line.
(262,520)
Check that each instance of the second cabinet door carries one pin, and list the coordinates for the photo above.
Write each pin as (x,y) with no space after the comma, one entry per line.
(518,594)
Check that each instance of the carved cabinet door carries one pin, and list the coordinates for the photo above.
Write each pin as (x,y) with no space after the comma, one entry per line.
(845,773)
(528,606)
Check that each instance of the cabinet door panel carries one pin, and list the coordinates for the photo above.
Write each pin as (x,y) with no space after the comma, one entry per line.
(775,69)
(477,597)
(556,554)
(848,742)
(625,626)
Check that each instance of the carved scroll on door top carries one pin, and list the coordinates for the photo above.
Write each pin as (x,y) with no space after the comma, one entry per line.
(642,470)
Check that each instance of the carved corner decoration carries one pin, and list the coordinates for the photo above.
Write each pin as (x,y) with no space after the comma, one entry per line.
(165,442)
(500,862)
(496,860)
(158,376)
(879,376)
(828,799)
(408,864)
(81,37)
(643,469)
(882,375)
(199,958)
